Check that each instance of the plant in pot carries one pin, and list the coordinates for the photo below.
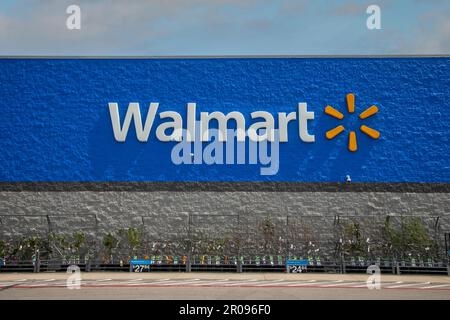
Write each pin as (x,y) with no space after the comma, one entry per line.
(61,246)
(133,237)
(392,240)
(353,243)
(4,252)
(110,243)
(268,231)
(77,245)
(416,238)
(29,248)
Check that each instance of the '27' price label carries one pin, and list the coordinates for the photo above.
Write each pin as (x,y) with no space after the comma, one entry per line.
(141,268)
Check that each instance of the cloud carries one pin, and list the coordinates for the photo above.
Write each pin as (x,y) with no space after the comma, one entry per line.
(351,9)
(4,25)
(434,30)
(176,27)
(39,26)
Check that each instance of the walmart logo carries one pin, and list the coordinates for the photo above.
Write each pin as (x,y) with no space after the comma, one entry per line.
(197,143)
(352,141)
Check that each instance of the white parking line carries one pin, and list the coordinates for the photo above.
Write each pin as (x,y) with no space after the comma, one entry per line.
(167,282)
(171,280)
(133,280)
(268,282)
(36,285)
(157,282)
(407,285)
(181,282)
(340,284)
(44,285)
(279,283)
(13,282)
(307,283)
(360,286)
(382,284)
(126,282)
(7,284)
(242,282)
(233,282)
(436,286)
(335,282)
(208,283)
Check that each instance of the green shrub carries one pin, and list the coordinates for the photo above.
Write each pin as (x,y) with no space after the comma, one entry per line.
(353,243)
(409,238)
(3,249)
(110,243)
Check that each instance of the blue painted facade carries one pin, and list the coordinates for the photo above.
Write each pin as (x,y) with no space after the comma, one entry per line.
(55,123)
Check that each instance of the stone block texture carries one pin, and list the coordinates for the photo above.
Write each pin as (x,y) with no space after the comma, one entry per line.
(175,216)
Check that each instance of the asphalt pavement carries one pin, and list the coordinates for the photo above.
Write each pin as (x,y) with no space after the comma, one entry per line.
(261,286)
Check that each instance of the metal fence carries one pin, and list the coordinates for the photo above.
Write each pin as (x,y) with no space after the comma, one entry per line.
(234,242)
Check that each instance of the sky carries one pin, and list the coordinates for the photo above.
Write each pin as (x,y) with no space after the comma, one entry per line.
(224,27)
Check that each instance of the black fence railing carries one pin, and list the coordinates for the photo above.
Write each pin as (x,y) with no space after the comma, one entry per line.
(229,243)
(225,264)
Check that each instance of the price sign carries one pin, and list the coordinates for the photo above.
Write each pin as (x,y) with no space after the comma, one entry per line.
(140,265)
(296,266)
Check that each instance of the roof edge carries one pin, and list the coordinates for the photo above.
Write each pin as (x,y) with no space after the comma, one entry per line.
(222,56)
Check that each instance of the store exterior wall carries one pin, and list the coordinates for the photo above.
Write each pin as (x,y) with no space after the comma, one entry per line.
(176,217)
(115,210)
(64,169)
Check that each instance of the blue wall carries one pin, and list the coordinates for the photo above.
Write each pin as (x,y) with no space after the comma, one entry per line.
(55,122)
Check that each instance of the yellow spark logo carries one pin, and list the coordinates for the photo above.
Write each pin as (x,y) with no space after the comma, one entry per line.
(352,144)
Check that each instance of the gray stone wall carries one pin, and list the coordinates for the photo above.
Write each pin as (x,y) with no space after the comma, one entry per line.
(164,215)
